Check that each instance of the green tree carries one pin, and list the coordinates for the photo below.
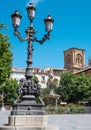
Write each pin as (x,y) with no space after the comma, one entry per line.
(10,90)
(74,88)
(89,89)
(67,86)
(5,60)
(5,56)
(44,91)
(83,84)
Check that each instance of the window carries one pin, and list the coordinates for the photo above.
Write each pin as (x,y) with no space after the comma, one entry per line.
(78,59)
(68,60)
(43,79)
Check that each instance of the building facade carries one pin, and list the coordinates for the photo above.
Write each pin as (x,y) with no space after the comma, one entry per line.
(74,59)
(42,75)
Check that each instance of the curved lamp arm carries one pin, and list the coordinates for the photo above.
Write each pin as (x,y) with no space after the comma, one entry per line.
(17,33)
(45,37)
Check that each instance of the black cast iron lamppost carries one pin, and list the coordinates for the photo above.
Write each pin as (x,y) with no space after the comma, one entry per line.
(28,89)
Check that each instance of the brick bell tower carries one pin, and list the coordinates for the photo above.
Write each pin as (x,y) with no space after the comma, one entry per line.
(74,59)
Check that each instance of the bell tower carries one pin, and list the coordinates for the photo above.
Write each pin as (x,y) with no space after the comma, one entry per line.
(74,59)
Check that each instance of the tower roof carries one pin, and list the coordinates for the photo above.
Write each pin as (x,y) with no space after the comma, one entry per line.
(74,48)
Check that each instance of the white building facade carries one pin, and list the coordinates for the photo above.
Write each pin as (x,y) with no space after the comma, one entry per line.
(42,75)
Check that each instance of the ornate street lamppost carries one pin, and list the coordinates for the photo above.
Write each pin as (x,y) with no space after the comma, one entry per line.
(28,89)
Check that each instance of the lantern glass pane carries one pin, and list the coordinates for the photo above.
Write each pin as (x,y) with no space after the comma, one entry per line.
(49,26)
(16,21)
(31,13)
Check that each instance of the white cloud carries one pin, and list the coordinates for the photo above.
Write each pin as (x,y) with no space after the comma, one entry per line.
(35,2)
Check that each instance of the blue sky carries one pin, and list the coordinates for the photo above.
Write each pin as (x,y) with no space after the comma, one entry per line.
(72,28)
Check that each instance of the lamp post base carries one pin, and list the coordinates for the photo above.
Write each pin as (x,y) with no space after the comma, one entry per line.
(28,106)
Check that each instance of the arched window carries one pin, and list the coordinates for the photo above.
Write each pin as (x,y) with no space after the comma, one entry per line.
(68,60)
(78,59)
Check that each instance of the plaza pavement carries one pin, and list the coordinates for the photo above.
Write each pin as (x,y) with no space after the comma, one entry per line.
(71,121)
(65,121)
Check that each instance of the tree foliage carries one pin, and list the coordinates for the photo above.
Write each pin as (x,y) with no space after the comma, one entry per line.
(44,91)
(5,56)
(10,90)
(7,85)
(74,88)
(83,84)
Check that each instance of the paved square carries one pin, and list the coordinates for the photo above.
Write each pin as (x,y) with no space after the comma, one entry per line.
(71,121)
(65,121)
